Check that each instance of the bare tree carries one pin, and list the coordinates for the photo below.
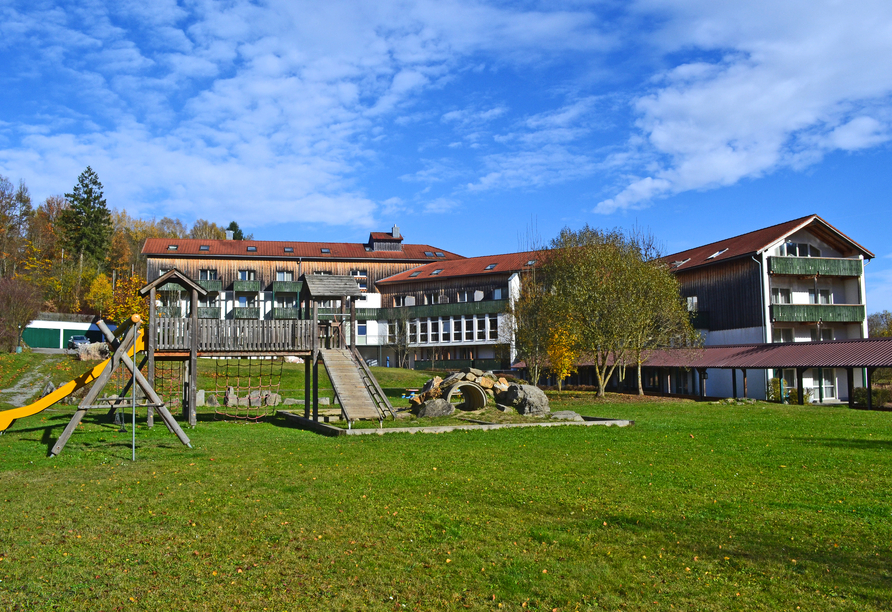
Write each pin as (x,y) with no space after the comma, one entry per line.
(398,336)
(19,305)
(207,230)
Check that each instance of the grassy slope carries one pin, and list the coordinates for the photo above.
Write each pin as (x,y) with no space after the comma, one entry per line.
(697,506)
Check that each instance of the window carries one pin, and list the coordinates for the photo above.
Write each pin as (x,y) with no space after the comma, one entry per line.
(413,332)
(716,254)
(204,247)
(531,262)
(423,330)
(414,274)
(824,380)
(462,296)
(391,332)
(490,266)
(823,296)
(284,275)
(428,254)
(172,247)
(162,272)
(692,303)
(289,249)
(325,250)
(821,334)
(322,272)
(493,327)
(363,285)
(206,275)
(435,331)
(286,300)
(246,275)
(252,249)
(781,295)
(361,328)
(443,299)
(437,271)
(430,298)
(447,328)
(481,328)
(469,329)
(497,294)
(782,335)
(439,254)
(799,249)
(678,264)
(397,301)
(478,296)
(245,301)
(359,273)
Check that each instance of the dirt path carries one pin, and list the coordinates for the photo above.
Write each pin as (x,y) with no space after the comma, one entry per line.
(27,386)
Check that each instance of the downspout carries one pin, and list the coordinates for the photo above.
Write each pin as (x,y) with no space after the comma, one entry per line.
(862,293)
(765,379)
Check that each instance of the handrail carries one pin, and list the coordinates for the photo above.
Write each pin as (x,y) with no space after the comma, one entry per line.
(371,377)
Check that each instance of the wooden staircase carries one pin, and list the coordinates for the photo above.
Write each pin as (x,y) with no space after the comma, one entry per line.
(360,396)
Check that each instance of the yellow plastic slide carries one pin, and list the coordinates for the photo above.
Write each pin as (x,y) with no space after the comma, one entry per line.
(8,416)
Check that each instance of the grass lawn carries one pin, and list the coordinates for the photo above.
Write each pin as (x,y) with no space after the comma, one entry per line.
(696,507)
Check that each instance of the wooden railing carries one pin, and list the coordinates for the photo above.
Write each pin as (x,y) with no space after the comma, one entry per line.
(235,336)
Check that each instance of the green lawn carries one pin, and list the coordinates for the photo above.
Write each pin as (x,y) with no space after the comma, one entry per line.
(695,507)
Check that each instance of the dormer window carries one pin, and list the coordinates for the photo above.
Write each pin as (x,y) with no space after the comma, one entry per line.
(252,249)
(204,247)
(716,254)
(172,247)
(490,266)
(325,250)
(289,249)
(435,272)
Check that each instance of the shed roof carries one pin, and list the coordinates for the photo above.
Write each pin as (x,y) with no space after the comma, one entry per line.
(759,240)
(330,286)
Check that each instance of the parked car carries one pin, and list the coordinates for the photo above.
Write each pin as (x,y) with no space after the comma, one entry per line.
(76,341)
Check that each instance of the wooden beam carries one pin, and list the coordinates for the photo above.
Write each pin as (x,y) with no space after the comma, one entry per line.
(800,385)
(151,340)
(850,382)
(734,383)
(193,363)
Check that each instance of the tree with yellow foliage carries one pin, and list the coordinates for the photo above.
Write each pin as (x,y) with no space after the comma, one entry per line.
(563,351)
(127,300)
(100,296)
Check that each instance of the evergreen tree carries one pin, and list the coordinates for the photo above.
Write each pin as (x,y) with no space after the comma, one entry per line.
(237,233)
(86,225)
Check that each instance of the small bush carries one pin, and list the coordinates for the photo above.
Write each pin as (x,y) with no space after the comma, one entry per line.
(880,397)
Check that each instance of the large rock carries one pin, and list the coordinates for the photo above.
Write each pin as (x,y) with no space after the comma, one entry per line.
(199,397)
(475,371)
(230,399)
(526,399)
(212,401)
(566,415)
(452,378)
(436,408)
(486,383)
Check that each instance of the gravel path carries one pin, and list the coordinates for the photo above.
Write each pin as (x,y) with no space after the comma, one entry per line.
(25,388)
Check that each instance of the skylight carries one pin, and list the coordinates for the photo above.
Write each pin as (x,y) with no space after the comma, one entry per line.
(289,249)
(414,274)
(678,264)
(490,266)
(439,254)
(172,247)
(428,254)
(204,247)
(325,250)
(717,253)
(531,262)
(252,249)
(435,272)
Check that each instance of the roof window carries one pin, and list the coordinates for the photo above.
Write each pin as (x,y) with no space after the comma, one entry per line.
(531,262)
(325,250)
(289,249)
(435,272)
(428,254)
(490,266)
(717,253)
(252,249)
(172,247)
(678,264)
(414,274)
(440,254)
(204,247)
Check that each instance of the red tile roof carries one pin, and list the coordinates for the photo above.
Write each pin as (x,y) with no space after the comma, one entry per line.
(471,266)
(757,241)
(384,236)
(158,247)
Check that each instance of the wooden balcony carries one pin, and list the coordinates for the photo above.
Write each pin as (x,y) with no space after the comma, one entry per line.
(208,312)
(287,286)
(246,312)
(169,311)
(246,286)
(812,313)
(456,309)
(227,336)
(286,313)
(212,285)
(810,266)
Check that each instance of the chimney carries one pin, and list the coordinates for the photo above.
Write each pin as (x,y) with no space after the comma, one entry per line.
(228,234)
(395,232)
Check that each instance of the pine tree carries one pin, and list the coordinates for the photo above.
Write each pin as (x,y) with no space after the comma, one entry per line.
(86,224)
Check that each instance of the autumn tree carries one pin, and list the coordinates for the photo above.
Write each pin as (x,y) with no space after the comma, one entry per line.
(529,322)
(127,300)
(15,213)
(879,324)
(207,230)
(19,305)
(100,296)
(86,223)
(398,336)
(563,350)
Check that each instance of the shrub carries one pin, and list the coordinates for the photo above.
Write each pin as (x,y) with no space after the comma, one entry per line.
(879,398)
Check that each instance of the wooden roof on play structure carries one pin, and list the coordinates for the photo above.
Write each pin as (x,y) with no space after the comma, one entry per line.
(177,277)
(330,286)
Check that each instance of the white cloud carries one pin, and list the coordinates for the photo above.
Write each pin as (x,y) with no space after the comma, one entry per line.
(790,82)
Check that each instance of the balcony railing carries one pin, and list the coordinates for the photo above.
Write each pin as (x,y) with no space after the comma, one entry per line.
(810,266)
(208,312)
(246,286)
(246,312)
(170,287)
(169,311)
(287,286)
(812,313)
(286,313)
(458,364)
(456,309)
(212,285)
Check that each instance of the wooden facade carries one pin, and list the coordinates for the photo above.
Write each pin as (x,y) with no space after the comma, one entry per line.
(445,291)
(728,293)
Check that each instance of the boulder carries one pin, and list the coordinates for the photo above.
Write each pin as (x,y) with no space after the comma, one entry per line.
(499,387)
(230,399)
(271,399)
(457,376)
(47,388)
(199,397)
(566,415)
(290,401)
(526,399)
(486,383)
(436,408)
(212,401)
(503,381)
(475,371)
(471,376)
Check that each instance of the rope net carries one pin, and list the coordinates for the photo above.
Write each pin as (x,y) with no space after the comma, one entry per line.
(247,388)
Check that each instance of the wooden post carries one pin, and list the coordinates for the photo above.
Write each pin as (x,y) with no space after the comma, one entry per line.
(702,376)
(342,341)
(353,326)
(800,385)
(315,360)
(869,388)
(307,376)
(850,382)
(193,362)
(150,351)
(734,383)
(744,384)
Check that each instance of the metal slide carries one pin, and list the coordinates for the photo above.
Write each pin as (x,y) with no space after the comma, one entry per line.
(7,417)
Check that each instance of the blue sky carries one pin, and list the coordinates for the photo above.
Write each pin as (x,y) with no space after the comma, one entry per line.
(463,122)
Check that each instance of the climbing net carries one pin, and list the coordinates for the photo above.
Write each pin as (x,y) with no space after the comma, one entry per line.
(169,377)
(247,388)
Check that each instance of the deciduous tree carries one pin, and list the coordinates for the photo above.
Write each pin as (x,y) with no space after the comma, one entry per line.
(19,305)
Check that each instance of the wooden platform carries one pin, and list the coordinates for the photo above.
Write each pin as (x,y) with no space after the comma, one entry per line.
(347,379)
(227,337)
